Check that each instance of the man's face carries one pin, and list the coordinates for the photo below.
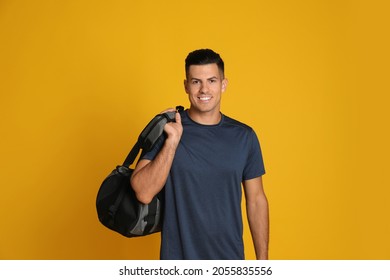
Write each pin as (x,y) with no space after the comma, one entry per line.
(204,86)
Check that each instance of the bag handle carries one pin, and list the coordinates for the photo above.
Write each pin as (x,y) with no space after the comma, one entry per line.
(150,134)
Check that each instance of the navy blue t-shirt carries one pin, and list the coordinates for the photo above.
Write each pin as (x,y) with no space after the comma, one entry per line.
(203,192)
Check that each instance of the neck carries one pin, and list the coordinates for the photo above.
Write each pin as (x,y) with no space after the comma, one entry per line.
(205,118)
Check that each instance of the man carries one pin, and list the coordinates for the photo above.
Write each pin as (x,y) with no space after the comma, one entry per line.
(201,162)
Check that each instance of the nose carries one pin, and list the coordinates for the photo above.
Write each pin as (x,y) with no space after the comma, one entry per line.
(204,88)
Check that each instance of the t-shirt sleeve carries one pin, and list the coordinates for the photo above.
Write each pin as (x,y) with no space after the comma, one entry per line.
(254,165)
(152,153)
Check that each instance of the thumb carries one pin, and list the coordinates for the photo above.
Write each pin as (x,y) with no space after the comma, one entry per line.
(178,118)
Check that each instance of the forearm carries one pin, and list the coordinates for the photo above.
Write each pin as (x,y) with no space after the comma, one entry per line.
(258,217)
(148,179)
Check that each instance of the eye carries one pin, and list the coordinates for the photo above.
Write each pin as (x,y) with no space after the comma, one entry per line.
(213,81)
(194,82)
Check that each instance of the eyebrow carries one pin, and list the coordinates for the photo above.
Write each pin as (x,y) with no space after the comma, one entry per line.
(211,78)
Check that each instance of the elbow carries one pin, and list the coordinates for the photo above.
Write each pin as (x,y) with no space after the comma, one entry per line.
(140,193)
(144,198)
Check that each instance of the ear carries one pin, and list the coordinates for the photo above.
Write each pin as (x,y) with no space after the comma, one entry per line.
(185,86)
(224,84)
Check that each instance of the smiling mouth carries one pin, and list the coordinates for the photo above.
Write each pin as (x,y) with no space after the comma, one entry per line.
(204,98)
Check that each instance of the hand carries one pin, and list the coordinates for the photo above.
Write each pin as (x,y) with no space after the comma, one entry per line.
(174,130)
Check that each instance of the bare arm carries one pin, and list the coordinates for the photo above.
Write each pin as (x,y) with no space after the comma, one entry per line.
(258,216)
(149,177)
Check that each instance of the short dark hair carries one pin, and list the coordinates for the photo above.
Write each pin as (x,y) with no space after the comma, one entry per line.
(202,57)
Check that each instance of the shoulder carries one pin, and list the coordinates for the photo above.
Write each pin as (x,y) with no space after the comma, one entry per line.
(230,122)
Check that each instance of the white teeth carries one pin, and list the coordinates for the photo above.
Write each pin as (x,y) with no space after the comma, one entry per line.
(204,98)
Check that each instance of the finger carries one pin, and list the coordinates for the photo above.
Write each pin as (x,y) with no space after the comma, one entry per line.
(178,118)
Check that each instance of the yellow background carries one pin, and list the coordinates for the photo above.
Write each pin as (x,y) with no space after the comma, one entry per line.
(80,79)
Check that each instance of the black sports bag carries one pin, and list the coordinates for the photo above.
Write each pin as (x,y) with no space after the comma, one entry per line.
(116,203)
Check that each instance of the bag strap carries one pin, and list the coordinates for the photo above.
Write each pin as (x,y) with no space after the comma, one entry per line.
(150,134)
